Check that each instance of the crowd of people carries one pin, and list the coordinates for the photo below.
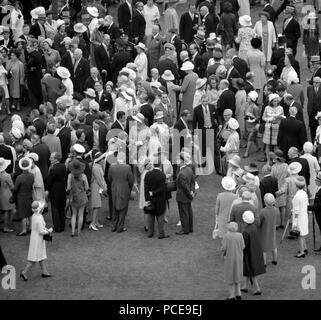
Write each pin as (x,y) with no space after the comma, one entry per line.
(136,109)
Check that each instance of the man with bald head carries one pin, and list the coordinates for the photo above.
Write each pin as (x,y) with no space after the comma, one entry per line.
(81,71)
(314,106)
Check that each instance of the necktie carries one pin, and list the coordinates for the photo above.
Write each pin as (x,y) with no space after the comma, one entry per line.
(316,89)
(76,65)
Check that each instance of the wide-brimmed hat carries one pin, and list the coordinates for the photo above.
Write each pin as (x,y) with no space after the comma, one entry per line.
(187,66)
(233,124)
(294,168)
(4,163)
(318,116)
(264,13)
(252,167)
(300,182)
(248,217)
(235,161)
(79,148)
(248,177)
(25,163)
(200,83)
(141,46)
(168,75)
(33,156)
(76,167)
(80,28)
(139,117)
(63,72)
(90,92)
(318,177)
(93,11)
(169,46)
(19,40)
(273,96)
(159,115)
(245,21)
(228,183)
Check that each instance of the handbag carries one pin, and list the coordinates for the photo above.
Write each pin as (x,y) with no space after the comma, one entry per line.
(295,232)
(48,237)
(148,209)
(171,186)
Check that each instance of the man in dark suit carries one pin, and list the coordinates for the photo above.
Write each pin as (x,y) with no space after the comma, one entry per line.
(111,29)
(120,122)
(81,71)
(56,187)
(176,42)
(185,193)
(210,21)
(294,156)
(146,99)
(206,121)
(315,68)
(314,98)
(43,152)
(138,24)
(268,184)
(231,73)
(37,122)
(206,56)
(270,10)
(182,128)
(103,97)
(96,138)
(239,64)
(121,179)
(121,58)
(289,100)
(249,82)
(64,136)
(226,99)
(38,29)
(188,24)
(197,60)
(66,61)
(155,194)
(6,153)
(125,16)
(279,53)
(291,132)
(291,29)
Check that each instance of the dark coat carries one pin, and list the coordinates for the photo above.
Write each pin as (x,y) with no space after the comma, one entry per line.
(268,184)
(155,182)
(305,171)
(40,126)
(199,66)
(34,73)
(147,111)
(56,185)
(314,105)
(248,87)
(65,140)
(121,179)
(167,64)
(185,184)
(198,117)
(6,153)
(316,208)
(104,60)
(138,26)
(116,126)
(81,74)
(35,30)
(105,102)
(241,66)
(253,262)
(124,17)
(292,34)
(226,101)
(270,10)
(291,133)
(121,59)
(52,89)
(102,139)
(177,42)
(186,24)
(66,61)
(42,150)
(210,24)
(276,56)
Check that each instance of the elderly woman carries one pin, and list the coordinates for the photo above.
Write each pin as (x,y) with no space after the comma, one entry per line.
(253,254)
(245,35)
(200,87)
(38,185)
(273,114)
(52,57)
(223,205)
(141,61)
(232,145)
(37,246)
(268,226)
(151,15)
(288,67)
(232,247)
(300,220)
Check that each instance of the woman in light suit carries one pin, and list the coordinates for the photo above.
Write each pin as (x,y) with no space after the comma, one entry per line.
(265,30)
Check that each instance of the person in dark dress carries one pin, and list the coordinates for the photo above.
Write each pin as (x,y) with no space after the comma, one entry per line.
(22,194)
(253,262)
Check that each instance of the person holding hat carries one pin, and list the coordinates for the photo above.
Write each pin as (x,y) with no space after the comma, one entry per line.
(37,246)
(223,205)
(253,254)
(22,194)
(244,35)
(141,61)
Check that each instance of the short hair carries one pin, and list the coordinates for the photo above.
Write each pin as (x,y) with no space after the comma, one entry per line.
(227,112)
(75,124)
(78,51)
(232,226)
(120,114)
(34,113)
(138,3)
(35,137)
(225,82)
(269,87)
(57,155)
(61,121)
(51,127)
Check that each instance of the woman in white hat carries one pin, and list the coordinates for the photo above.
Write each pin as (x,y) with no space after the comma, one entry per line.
(38,185)
(245,35)
(200,87)
(37,246)
(6,187)
(294,88)
(252,118)
(52,56)
(273,114)
(22,193)
(64,74)
(314,167)
(235,171)
(223,205)
(300,217)
(141,61)
(124,102)
(172,89)
(232,145)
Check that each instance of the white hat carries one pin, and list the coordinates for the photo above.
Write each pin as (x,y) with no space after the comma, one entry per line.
(4,163)
(25,163)
(16,133)
(317,79)
(168,75)
(318,115)
(159,115)
(90,92)
(233,124)
(312,15)
(94,105)
(253,95)
(248,217)
(34,156)
(294,168)
(63,72)
(187,66)
(212,36)
(273,96)
(130,92)
(37,206)
(155,84)
(248,177)
(80,28)
(235,161)
(245,21)
(49,41)
(228,183)
(93,11)
(292,77)
(200,83)
(79,148)
(139,117)
(126,96)
(308,147)
(132,66)
(59,23)
(66,39)
(141,45)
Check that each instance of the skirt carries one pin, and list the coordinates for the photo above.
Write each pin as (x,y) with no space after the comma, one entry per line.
(270,136)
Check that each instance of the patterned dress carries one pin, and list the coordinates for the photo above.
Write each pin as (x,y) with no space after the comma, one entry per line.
(271,131)
(244,37)
(280,171)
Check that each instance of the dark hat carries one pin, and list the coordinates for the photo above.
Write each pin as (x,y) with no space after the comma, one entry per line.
(76,167)
(252,167)
(256,43)
(77,96)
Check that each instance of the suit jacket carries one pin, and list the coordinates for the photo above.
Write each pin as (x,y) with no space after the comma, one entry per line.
(66,61)
(124,17)
(155,182)
(185,184)
(199,66)
(90,82)
(313,101)
(116,125)
(186,24)
(241,66)
(226,101)
(103,60)
(248,87)
(6,153)
(105,102)
(276,56)
(138,26)
(147,111)
(292,33)
(43,163)
(316,207)
(155,51)
(270,10)
(121,58)
(121,178)
(81,74)
(35,30)
(317,73)
(52,89)
(40,126)
(102,139)
(65,140)
(177,42)
(210,24)
(268,184)
(198,117)
(305,172)
(168,64)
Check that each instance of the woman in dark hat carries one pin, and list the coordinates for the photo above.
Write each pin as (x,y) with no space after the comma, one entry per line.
(77,186)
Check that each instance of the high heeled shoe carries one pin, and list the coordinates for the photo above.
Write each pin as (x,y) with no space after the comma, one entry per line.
(93,227)
(22,276)
(302,255)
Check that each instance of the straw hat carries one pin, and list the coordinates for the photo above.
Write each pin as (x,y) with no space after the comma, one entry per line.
(33,156)
(235,161)
(139,118)
(90,92)
(248,177)
(228,183)
(168,75)
(141,46)
(25,163)
(248,217)
(79,148)
(63,72)
(300,182)
(159,115)
(76,167)
(80,28)
(4,164)
(245,21)
(252,167)
(233,124)
(187,66)
(200,83)
(294,168)
(59,23)
(93,11)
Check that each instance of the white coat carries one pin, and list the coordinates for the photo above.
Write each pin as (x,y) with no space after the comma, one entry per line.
(300,204)
(142,64)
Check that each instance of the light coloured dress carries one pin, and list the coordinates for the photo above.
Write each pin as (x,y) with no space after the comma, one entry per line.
(6,185)
(240,102)
(98,185)
(150,14)
(244,7)
(171,20)
(214,95)
(17,71)
(232,145)
(256,62)
(38,185)
(37,246)
(300,204)
(142,63)
(244,37)
(314,169)
(223,205)
(272,114)
(280,171)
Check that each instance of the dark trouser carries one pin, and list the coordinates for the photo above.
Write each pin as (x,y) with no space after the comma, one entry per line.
(58,218)
(151,223)
(186,216)
(34,100)
(3,261)
(119,219)
(313,124)
(110,206)
(318,218)
(211,144)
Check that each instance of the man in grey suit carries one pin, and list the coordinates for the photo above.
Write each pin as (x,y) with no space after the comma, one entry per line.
(155,48)
(121,179)
(185,193)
